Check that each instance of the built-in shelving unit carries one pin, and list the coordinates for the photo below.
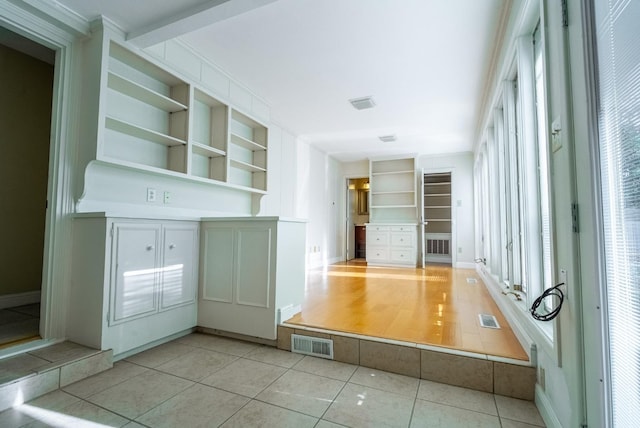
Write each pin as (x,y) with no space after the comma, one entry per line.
(158,122)
(437,213)
(392,230)
(393,190)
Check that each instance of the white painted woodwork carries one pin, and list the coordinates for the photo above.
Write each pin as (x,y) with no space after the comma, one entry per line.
(392,244)
(251,267)
(134,281)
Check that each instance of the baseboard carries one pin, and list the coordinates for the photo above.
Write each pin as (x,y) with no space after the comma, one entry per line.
(287,312)
(465,265)
(546,410)
(19,299)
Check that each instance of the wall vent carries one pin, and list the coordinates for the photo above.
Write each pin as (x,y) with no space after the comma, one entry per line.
(314,346)
(388,138)
(472,280)
(488,321)
(438,246)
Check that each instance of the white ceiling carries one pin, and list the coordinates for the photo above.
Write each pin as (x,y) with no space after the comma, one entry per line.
(425,62)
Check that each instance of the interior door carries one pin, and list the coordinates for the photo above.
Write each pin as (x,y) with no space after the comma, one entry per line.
(422,222)
(350,230)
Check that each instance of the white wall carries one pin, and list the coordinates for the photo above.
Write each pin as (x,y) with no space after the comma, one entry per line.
(461,167)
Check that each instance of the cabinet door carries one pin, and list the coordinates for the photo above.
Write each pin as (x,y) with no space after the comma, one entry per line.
(217,264)
(178,275)
(134,270)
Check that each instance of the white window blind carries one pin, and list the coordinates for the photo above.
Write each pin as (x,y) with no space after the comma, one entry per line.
(618,53)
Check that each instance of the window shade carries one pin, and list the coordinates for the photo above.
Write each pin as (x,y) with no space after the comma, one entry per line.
(619,133)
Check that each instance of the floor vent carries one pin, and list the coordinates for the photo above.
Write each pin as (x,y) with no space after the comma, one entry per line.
(488,321)
(472,281)
(314,346)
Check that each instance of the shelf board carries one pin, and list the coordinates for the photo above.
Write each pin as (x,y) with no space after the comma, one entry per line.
(246,166)
(395,192)
(438,219)
(135,90)
(246,143)
(208,151)
(440,183)
(393,172)
(437,194)
(436,206)
(393,206)
(143,133)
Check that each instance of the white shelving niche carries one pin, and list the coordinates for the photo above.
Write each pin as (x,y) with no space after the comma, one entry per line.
(437,212)
(247,152)
(209,137)
(147,113)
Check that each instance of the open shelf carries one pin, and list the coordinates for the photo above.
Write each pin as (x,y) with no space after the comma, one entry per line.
(246,143)
(142,133)
(246,166)
(205,150)
(146,95)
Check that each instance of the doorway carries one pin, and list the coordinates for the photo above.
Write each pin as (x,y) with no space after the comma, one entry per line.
(26,82)
(357,215)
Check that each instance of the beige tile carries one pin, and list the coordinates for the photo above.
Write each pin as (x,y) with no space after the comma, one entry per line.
(28,389)
(21,365)
(79,414)
(198,406)
(159,355)
(219,344)
(85,367)
(346,349)
(265,415)
(391,382)
(514,381)
(518,410)
(270,355)
(508,423)
(197,364)
(302,392)
(326,424)
(14,418)
(361,406)
(53,401)
(391,358)
(284,337)
(245,377)
(456,370)
(133,424)
(140,394)
(434,415)
(309,333)
(327,368)
(65,351)
(456,396)
(121,371)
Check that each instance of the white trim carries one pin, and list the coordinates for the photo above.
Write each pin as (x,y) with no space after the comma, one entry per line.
(287,313)
(543,403)
(465,265)
(19,299)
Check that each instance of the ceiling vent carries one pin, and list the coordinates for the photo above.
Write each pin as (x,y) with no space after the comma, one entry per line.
(387,138)
(362,103)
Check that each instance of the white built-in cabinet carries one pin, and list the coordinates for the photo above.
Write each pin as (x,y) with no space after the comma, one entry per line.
(392,231)
(134,281)
(151,119)
(252,274)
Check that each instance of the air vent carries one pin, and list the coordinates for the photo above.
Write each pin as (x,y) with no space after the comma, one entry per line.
(387,138)
(314,346)
(472,280)
(362,103)
(488,321)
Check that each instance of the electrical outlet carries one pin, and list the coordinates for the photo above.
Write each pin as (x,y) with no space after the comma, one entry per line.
(167,197)
(541,378)
(459,250)
(151,194)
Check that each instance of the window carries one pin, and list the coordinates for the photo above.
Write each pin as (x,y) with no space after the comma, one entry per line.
(618,65)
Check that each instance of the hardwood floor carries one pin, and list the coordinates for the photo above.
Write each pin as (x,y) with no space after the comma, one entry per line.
(435,306)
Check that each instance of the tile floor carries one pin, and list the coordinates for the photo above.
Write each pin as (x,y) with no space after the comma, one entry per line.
(202,380)
(19,323)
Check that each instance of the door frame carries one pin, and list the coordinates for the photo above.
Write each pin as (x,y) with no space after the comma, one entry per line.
(59,31)
(453,246)
(345,214)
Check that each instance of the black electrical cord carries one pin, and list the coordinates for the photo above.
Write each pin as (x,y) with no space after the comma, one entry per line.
(553,291)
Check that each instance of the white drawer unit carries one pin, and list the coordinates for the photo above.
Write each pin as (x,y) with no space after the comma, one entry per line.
(391,244)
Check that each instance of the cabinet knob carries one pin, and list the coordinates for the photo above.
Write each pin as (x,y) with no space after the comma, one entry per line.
(401,239)
(149,247)
(172,246)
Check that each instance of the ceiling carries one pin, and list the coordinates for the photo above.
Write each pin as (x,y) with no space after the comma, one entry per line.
(425,62)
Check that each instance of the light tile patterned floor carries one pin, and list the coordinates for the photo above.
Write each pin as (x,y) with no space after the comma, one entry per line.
(207,381)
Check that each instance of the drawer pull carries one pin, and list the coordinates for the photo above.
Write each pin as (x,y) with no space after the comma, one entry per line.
(149,247)
(172,246)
